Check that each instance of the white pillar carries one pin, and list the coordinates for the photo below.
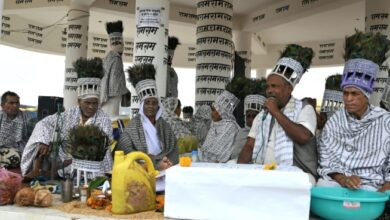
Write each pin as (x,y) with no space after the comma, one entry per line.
(151,42)
(214,49)
(1,14)
(377,19)
(242,42)
(76,47)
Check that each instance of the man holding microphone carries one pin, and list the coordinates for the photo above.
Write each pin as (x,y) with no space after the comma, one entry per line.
(284,132)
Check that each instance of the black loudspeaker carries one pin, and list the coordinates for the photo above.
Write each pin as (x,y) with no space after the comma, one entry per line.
(48,105)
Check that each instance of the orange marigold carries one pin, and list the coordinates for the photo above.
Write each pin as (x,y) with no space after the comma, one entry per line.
(185,161)
(270,166)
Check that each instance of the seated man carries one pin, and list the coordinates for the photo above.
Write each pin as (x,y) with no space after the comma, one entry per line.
(252,106)
(148,131)
(218,146)
(354,148)
(86,113)
(13,130)
(285,132)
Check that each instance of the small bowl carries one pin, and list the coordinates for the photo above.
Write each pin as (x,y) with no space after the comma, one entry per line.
(342,203)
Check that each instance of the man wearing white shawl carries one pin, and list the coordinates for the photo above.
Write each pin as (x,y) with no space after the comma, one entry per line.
(354,148)
(148,131)
(284,133)
(86,113)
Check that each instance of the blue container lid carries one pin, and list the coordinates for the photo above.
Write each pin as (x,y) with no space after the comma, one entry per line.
(340,194)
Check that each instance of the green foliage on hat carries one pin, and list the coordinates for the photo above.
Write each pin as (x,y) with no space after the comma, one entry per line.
(367,46)
(87,143)
(333,82)
(139,72)
(89,68)
(242,86)
(116,26)
(173,42)
(303,55)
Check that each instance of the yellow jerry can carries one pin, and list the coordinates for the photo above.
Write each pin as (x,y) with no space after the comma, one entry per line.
(133,187)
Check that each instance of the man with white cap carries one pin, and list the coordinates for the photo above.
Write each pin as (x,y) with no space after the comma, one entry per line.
(284,133)
(354,150)
(148,131)
(253,104)
(86,113)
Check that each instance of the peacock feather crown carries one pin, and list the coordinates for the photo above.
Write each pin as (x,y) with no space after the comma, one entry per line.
(293,63)
(89,73)
(364,52)
(142,77)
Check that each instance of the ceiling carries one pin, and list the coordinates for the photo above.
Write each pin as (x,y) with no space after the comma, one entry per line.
(331,23)
(327,25)
(241,7)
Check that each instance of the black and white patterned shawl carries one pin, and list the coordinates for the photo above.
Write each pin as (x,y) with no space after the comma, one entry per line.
(179,128)
(218,146)
(13,133)
(284,146)
(201,123)
(113,82)
(133,139)
(172,82)
(357,147)
(44,130)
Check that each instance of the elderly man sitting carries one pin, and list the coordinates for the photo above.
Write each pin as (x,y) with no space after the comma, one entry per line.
(355,142)
(13,130)
(86,113)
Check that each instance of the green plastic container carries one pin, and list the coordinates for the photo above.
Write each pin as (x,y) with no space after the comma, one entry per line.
(341,203)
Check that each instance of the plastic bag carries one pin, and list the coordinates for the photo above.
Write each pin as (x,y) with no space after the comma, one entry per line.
(10,183)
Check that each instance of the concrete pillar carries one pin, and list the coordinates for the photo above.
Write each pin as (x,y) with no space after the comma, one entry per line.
(151,42)
(242,42)
(377,19)
(76,47)
(214,49)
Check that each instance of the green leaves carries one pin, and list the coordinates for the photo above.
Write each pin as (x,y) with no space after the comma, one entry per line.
(333,82)
(303,55)
(172,43)
(187,144)
(96,182)
(242,86)
(368,46)
(112,27)
(89,68)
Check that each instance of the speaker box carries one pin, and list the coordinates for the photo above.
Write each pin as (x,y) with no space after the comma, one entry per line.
(48,105)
